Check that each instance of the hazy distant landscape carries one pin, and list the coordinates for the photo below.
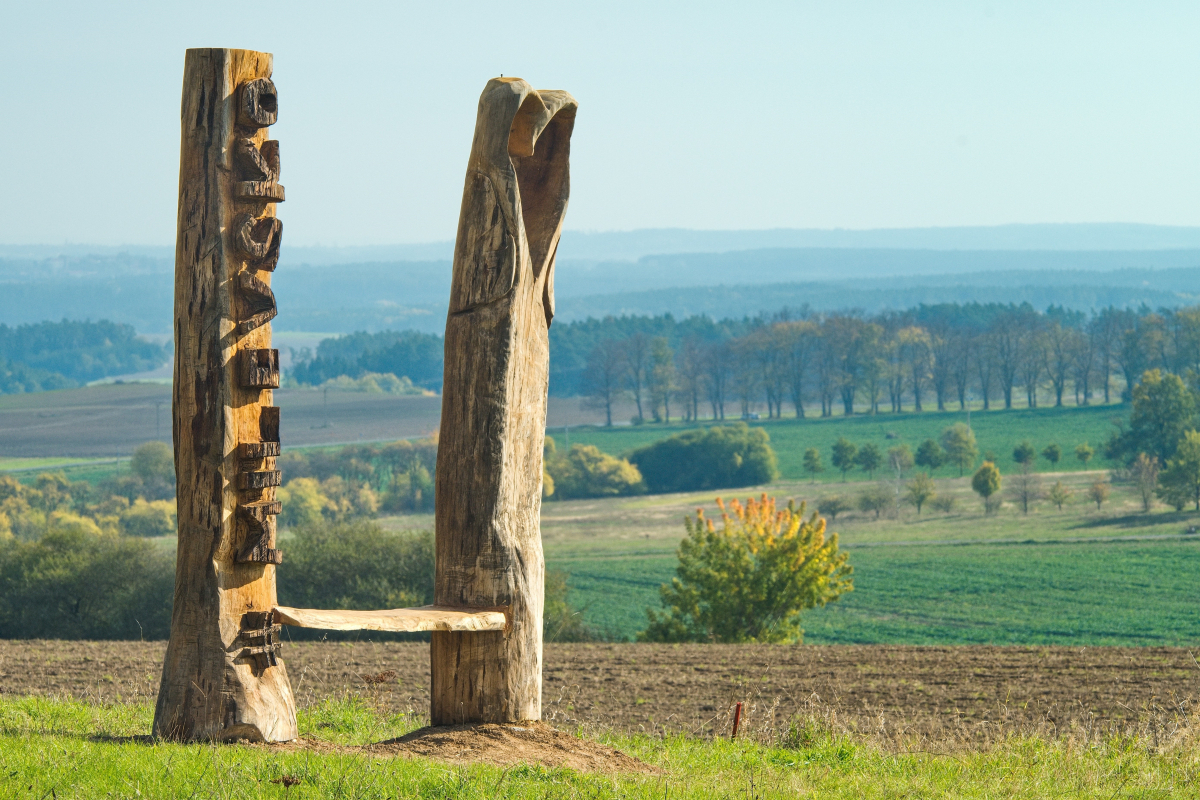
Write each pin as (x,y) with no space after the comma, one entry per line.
(721,274)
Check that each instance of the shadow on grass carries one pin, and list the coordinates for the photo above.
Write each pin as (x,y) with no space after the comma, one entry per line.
(1185,519)
(104,738)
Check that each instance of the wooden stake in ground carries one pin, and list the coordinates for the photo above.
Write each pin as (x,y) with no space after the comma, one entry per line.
(489,468)
(222,678)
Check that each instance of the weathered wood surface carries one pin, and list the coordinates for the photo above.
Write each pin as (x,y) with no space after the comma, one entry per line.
(407,620)
(489,470)
(220,677)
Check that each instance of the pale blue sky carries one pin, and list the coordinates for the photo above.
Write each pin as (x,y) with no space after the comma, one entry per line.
(698,115)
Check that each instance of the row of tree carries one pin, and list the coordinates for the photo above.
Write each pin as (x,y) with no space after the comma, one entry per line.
(938,356)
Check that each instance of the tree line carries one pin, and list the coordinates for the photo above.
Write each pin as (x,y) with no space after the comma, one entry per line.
(939,356)
(61,355)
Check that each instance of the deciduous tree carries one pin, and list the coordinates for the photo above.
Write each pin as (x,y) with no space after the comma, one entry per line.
(930,455)
(1179,483)
(844,454)
(900,459)
(1053,454)
(1026,488)
(1145,471)
(812,463)
(1024,454)
(920,490)
(958,441)
(986,482)
(603,382)
(869,458)
(1059,494)
(1098,492)
(1084,453)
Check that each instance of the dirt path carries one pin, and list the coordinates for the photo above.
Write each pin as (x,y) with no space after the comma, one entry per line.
(961,692)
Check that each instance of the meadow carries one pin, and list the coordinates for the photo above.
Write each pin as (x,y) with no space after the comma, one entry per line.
(997,431)
(1080,576)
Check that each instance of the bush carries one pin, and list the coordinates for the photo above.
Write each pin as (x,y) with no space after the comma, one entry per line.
(587,472)
(145,519)
(719,457)
(374,383)
(944,503)
(153,460)
(749,580)
(356,565)
(833,505)
(78,583)
(876,498)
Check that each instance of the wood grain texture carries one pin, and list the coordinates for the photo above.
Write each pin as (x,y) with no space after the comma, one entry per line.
(408,620)
(489,468)
(211,688)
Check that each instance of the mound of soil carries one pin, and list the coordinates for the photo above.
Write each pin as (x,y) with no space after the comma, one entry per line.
(509,745)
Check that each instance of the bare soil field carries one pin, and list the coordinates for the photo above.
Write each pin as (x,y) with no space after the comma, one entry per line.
(111,420)
(958,693)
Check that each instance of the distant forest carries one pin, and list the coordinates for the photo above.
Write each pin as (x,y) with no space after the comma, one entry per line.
(416,356)
(927,355)
(60,355)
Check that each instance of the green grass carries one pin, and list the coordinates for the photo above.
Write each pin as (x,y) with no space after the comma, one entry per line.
(997,431)
(67,749)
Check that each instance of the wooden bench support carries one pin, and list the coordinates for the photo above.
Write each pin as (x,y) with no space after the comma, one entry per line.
(405,620)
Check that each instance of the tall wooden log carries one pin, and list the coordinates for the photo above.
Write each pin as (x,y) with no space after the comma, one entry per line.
(221,677)
(489,469)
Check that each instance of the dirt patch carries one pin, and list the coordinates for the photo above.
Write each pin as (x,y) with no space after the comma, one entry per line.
(509,745)
(975,693)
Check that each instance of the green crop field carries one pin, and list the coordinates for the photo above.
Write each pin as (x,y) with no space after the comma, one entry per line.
(1114,593)
(995,431)
(1076,576)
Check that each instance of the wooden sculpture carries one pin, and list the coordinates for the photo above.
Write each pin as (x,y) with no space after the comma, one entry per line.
(222,677)
(489,467)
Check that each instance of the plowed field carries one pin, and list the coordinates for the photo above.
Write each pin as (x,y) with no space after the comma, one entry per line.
(975,693)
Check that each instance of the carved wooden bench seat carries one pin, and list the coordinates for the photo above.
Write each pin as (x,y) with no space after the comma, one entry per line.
(406,620)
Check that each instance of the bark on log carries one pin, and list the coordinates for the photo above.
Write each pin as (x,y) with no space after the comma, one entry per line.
(489,467)
(221,678)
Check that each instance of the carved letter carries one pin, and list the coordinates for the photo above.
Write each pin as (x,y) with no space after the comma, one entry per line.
(258,300)
(260,369)
(258,105)
(259,240)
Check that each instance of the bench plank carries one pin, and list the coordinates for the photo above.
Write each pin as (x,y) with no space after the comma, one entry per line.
(409,620)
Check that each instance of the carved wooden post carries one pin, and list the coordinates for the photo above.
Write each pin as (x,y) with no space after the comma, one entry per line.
(489,470)
(222,678)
